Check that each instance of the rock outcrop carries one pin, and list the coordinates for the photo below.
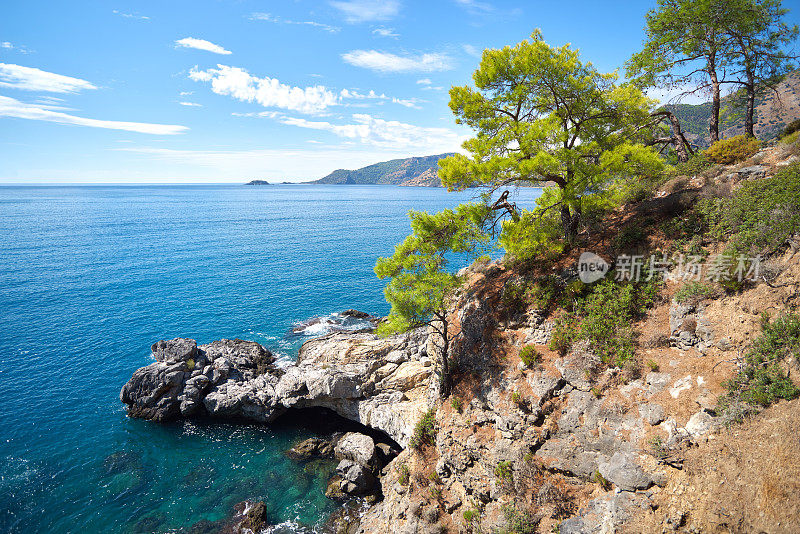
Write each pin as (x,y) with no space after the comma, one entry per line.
(380,383)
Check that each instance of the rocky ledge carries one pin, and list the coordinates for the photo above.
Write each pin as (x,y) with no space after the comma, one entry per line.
(380,383)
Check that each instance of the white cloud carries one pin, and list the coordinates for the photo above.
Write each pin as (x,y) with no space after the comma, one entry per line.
(386,134)
(367,10)
(32,79)
(269,92)
(471,50)
(424,81)
(407,102)
(475,7)
(11,46)
(201,44)
(130,15)
(345,93)
(385,32)
(268,17)
(191,104)
(187,93)
(386,62)
(10,107)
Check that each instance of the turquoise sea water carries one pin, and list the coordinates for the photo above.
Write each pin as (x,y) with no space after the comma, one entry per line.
(90,277)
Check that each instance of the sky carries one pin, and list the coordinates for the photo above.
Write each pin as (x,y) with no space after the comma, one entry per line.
(230,91)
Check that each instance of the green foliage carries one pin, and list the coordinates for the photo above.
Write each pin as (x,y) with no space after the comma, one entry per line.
(657,448)
(733,150)
(519,521)
(762,214)
(652,365)
(541,114)
(405,475)
(455,403)
(516,398)
(543,293)
(513,297)
(503,471)
(698,163)
(761,381)
(630,236)
(790,129)
(603,317)
(419,282)
(601,480)
(693,292)
(472,515)
(424,430)
(530,356)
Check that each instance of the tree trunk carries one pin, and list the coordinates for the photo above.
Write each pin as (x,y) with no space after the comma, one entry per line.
(681,144)
(749,118)
(569,223)
(713,126)
(444,385)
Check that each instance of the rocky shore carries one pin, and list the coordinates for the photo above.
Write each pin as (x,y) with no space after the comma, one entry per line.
(585,447)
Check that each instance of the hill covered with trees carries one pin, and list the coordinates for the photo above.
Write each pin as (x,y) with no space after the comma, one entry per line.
(392,172)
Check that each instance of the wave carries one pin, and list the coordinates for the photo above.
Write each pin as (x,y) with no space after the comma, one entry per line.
(348,321)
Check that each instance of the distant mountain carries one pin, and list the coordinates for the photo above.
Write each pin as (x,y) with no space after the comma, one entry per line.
(774,110)
(258,182)
(418,171)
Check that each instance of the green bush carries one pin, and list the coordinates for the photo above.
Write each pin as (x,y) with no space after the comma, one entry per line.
(405,475)
(761,380)
(600,479)
(694,292)
(603,317)
(733,150)
(696,164)
(629,236)
(790,128)
(529,356)
(544,292)
(513,297)
(519,521)
(762,214)
(456,404)
(425,430)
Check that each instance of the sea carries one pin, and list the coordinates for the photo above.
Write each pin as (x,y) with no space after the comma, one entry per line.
(91,276)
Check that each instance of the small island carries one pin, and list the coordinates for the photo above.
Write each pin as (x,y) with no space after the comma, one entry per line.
(258,182)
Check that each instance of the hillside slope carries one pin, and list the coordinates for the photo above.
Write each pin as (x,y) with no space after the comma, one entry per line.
(392,172)
(774,109)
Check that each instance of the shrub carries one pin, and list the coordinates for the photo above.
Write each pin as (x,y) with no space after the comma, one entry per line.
(763,214)
(529,356)
(456,404)
(694,292)
(513,297)
(658,449)
(652,365)
(696,164)
(603,317)
(544,292)
(629,237)
(519,521)
(790,128)
(472,515)
(504,472)
(516,398)
(733,150)
(425,430)
(405,475)
(600,479)
(761,380)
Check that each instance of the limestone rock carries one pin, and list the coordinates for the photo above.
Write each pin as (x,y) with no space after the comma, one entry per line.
(623,470)
(359,448)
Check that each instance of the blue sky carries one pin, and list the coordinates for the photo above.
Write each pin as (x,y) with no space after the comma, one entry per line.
(228,91)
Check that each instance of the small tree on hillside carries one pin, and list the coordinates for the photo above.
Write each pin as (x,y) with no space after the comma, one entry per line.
(420,285)
(541,114)
(758,36)
(686,45)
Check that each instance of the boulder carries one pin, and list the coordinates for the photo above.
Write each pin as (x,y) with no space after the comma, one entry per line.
(311,448)
(359,448)
(355,478)
(623,470)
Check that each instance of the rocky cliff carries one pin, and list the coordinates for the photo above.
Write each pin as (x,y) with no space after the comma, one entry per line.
(564,442)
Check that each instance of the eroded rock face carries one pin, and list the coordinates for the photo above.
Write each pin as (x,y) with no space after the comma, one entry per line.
(230,377)
(380,383)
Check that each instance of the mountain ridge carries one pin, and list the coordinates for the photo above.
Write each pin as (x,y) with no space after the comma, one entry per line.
(417,170)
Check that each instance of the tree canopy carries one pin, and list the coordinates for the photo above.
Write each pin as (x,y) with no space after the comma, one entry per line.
(541,114)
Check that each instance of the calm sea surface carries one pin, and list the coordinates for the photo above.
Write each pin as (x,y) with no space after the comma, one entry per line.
(90,277)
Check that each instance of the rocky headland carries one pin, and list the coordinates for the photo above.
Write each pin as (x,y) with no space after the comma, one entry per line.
(565,443)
